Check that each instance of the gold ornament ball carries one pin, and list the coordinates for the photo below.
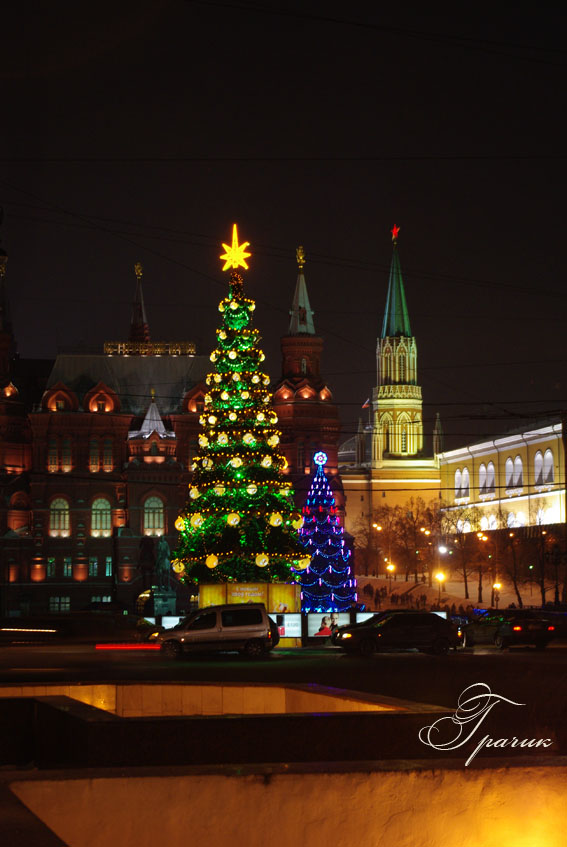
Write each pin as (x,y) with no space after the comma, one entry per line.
(248,438)
(212,419)
(273,440)
(212,561)
(232,416)
(297,523)
(194,493)
(232,354)
(236,462)
(233,519)
(222,334)
(213,356)
(252,489)
(267,461)
(225,395)
(260,416)
(197,520)
(180,524)
(217,377)
(178,566)
(245,395)
(234,305)
(255,379)
(304,563)
(262,560)
(276,519)
(236,377)
(203,441)
(219,490)
(223,439)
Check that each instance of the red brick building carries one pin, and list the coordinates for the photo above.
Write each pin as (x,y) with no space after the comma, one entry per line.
(95,469)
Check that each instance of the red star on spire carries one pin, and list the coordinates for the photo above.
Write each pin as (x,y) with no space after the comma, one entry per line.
(395,229)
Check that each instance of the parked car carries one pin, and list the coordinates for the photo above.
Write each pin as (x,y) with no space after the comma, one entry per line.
(423,631)
(245,628)
(509,628)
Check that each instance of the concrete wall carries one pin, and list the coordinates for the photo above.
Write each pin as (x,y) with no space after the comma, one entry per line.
(520,806)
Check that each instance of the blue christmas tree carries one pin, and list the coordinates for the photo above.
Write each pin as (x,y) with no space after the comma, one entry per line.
(328,584)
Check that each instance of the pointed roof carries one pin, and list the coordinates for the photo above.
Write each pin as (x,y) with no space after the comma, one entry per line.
(396,316)
(152,423)
(139,328)
(301,322)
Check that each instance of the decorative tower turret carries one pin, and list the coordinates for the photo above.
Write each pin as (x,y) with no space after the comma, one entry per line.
(139,327)
(398,424)
(309,420)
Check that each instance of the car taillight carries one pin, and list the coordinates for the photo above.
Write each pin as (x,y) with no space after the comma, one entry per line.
(551,629)
(517,628)
(269,633)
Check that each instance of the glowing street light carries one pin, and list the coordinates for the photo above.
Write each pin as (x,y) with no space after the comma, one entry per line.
(496,588)
(440,577)
(390,568)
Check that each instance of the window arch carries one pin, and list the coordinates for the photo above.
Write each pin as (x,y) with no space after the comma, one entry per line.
(511,520)
(484,523)
(465,483)
(101,518)
(492,522)
(304,365)
(59,522)
(518,472)
(538,468)
(509,473)
(153,517)
(458,477)
(548,469)
(482,480)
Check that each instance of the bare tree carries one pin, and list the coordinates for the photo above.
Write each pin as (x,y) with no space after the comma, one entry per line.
(460,523)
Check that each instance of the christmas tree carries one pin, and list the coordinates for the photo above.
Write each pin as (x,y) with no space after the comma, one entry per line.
(328,584)
(239,522)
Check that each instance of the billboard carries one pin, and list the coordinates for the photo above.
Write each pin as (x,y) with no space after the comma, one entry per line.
(321,625)
(276,596)
(289,626)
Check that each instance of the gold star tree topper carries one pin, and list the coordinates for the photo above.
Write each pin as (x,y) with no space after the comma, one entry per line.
(236,255)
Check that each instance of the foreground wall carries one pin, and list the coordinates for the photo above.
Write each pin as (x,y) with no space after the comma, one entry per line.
(523,805)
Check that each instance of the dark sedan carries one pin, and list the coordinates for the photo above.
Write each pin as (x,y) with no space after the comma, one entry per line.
(423,631)
(507,629)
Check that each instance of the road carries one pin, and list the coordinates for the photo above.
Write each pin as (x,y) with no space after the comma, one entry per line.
(523,674)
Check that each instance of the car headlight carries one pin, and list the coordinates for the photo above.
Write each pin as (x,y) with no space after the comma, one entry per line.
(346,635)
(153,636)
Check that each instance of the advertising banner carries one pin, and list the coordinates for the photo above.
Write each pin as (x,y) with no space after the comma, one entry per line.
(289,626)
(322,625)
(247,592)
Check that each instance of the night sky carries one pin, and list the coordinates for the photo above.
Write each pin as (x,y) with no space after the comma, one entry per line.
(139,131)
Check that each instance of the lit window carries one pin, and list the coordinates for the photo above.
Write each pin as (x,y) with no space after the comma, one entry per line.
(101,405)
(93,566)
(482,480)
(548,470)
(304,366)
(490,485)
(108,566)
(93,456)
(60,405)
(518,472)
(51,567)
(67,566)
(465,484)
(66,455)
(509,473)
(59,604)
(52,456)
(101,518)
(59,518)
(107,457)
(492,522)
(153,517)
(458,477)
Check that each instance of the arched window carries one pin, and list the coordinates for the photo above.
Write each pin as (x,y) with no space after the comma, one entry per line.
(59,525)
(387,374)
(511,520)
(538,468)
(484,523)
(520,519)
(458,477)
(482,481)
(548,470)
(492,522)
(101,518)
(509,473)
(465,483)
(107,457)
(490,478)
(304,366)
(93,456)
(518,472)
(153,517)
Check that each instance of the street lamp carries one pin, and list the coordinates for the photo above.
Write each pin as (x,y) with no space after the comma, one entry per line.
(390,568)
(440,577)
(496,588)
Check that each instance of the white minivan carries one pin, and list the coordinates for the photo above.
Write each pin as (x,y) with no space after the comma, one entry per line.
(244,627)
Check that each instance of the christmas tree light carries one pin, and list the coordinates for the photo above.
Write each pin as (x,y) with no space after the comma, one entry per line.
(328,584)
(239,522)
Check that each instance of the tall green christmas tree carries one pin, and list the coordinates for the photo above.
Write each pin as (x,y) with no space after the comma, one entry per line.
(239,522)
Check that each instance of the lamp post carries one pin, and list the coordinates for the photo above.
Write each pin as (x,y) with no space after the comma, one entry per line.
(496,588)
(440,577)
(390,568)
